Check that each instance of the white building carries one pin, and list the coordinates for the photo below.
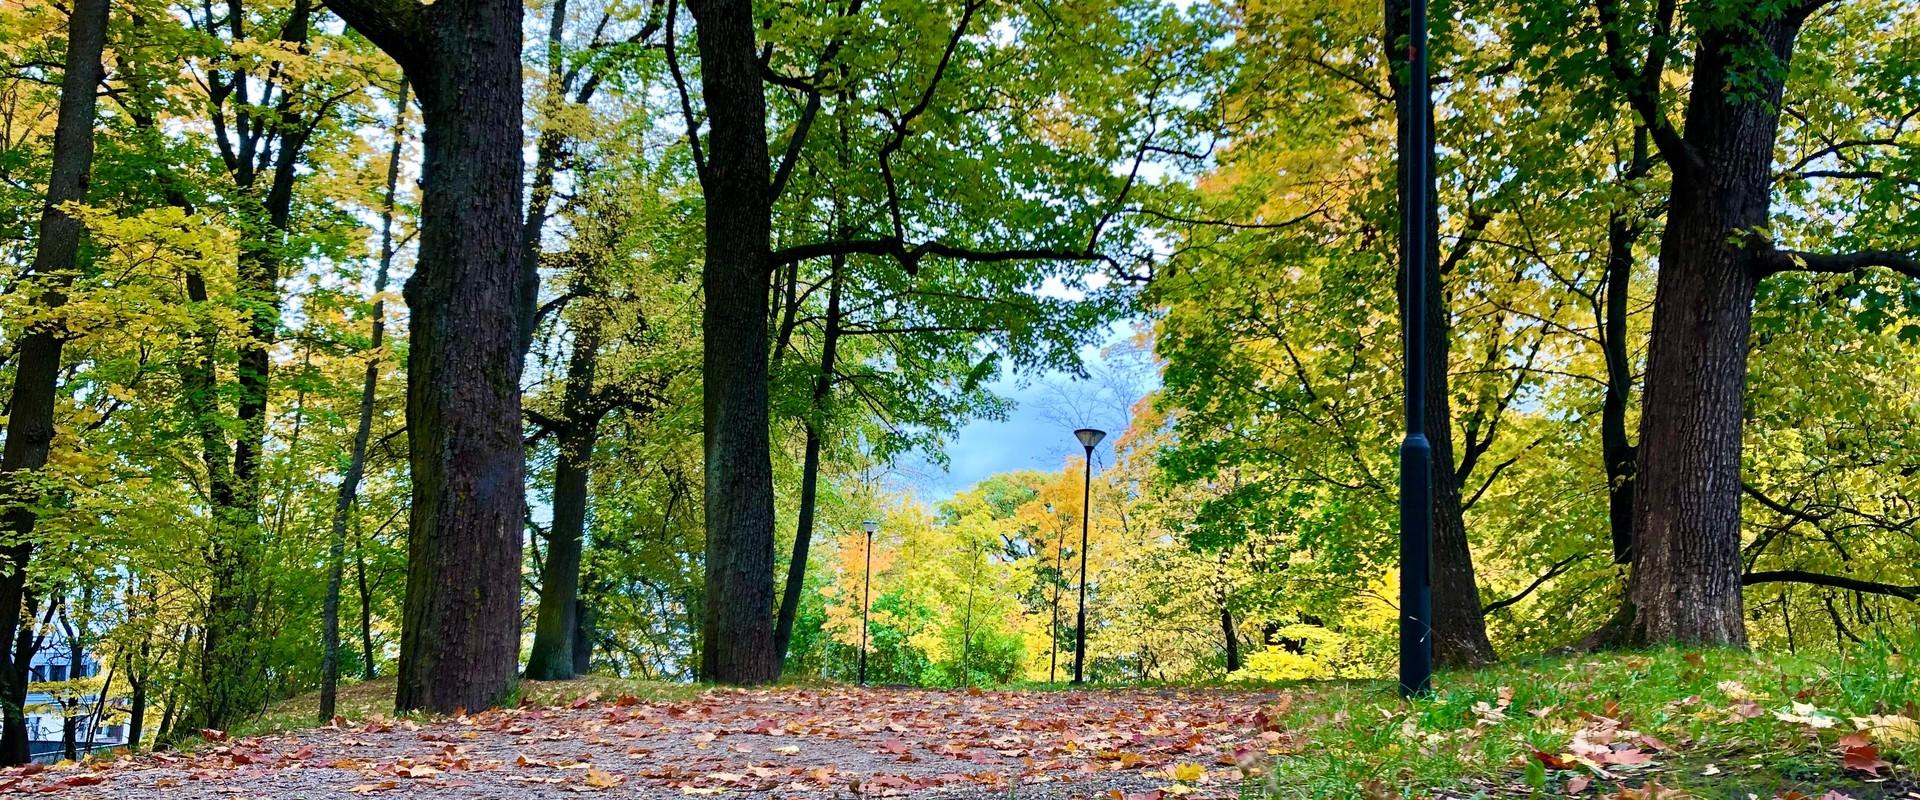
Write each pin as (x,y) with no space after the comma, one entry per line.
(46,715)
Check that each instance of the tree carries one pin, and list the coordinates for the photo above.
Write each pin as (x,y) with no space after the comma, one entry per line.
(30,421)
(470,312)
(363,428)
(1716,248)
(952,108)
(1459,624)
(737,636)
(558,631)
(261,148)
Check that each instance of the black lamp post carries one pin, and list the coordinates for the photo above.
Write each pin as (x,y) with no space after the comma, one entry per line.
(866,596)
(1416,455)
(1088,438)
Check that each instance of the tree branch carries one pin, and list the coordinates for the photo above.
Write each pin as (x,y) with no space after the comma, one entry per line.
(1555,571)
(396,26)
(1835,581)
(686,100)
(1643,87)
(1801,261)
(909,256)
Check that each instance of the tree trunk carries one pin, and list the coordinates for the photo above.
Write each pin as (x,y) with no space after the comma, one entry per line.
(582,637)
(556,625)
(230,672)
(30,421)
(460,641)
(363,431)
(1615,448)
(164,734)
(1459,627)
(367,671)
(810,469)
(1617,451)
(737,624)
(136,713)
(1223,592)
(1686,573)
(76,664)
(470,302)
(139,676)
(1233,639)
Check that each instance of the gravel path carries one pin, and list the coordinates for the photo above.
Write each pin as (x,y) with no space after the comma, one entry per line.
(789,743)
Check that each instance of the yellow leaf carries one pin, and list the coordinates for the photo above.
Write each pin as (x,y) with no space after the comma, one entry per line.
(601,779)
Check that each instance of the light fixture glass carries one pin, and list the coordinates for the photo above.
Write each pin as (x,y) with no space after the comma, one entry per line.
(1090,436)
(870,526)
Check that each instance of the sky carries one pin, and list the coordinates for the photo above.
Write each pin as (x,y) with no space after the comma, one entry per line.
(1038,432)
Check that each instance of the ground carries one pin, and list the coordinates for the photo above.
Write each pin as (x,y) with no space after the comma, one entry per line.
(799,743)
(1664,724)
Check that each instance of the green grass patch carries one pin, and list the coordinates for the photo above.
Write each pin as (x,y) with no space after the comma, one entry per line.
(1698,723)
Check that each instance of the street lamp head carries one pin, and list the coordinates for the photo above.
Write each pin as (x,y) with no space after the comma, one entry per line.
(1090,436)
(870,526)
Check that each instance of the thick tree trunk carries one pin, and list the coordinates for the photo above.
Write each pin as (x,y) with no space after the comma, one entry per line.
(460,640)
(810,468)
(470,304)
(363,431)
(1459,626)
(556,625)
(30,422)
(737,625)
(1686,571)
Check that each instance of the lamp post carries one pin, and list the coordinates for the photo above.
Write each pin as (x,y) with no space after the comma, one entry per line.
(1416,455)
(866,596)
(1088,438)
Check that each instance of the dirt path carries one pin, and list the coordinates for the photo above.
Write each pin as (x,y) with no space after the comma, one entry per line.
(801,743)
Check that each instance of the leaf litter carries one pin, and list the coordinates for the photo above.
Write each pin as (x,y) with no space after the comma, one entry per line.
(773,743)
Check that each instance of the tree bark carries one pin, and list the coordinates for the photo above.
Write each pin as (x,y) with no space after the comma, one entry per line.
(367,670)
(30,422)
(1616,449)
(738,613)
(582,636)
(136,713)
(1686,573)
(1459,626)
(810,468)
(556,625)
(1232,638)
(470,302)
(363,431)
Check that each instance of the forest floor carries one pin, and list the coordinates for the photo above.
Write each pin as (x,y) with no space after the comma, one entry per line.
(1625,726)
(803,742)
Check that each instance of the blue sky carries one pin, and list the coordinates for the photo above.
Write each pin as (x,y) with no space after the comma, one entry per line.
(1038,432)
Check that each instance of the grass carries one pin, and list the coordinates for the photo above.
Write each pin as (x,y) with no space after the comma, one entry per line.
(1716,724)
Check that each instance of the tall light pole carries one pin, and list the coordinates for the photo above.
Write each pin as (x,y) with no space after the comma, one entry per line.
(1416,455)
(866,596)
(1088,438)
